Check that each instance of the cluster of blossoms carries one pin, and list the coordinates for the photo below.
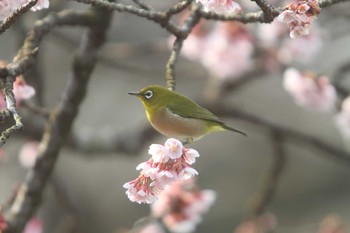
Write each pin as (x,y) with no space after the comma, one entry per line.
(7,7)
(299,16)
(221,6)
(169,162)
(226,51)
(181,205)
(309,90)
(342,119)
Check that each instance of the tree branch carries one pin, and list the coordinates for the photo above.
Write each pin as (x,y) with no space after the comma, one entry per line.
(329,151)
(264,195)
(6,24)
(59,125)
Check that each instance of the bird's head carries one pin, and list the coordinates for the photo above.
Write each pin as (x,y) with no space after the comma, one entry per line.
(152,96)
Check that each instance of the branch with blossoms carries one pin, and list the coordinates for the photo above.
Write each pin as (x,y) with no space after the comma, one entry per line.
(165,176)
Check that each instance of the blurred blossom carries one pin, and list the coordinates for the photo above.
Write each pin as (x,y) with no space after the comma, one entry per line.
(21,90)
(331,224)
(28,154)
(309,91)
(264,223)
(7,7)
(181,205)
(342,119)
(3,223)
(170,162)
(299,16)
(270,34)
(34,226)
(302,49)
(229,51)
(221,6)
(195,43)
(152,228)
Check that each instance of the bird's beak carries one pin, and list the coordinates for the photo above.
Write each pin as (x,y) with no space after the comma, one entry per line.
(135,93)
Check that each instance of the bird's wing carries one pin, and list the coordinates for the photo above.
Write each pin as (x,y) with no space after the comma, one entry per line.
(194,111)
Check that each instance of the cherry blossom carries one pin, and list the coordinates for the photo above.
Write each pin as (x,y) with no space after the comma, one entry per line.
(169,162)
(195,43)
(302,49)
(221,6)
(310,91)
(3,223)
(342,119)
(299,16)
(264,223)
(331,224)
(181,205)
(21,90)
(229,51)
(28,154)
(34,226)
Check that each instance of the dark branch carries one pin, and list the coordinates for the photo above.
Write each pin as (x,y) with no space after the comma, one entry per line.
(6,24)
(61,119)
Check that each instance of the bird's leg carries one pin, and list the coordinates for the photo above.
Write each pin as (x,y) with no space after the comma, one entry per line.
(188,140)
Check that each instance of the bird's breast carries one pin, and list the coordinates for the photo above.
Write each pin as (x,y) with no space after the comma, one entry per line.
(173,125)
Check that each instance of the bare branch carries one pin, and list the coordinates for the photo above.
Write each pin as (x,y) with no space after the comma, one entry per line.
(264,195)
(11,106)
(328,151)
(6,24)
(61,119)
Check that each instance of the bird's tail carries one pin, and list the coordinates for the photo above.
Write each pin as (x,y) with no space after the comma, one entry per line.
(233,130)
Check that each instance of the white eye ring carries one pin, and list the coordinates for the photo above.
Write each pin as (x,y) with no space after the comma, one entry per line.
(148,94)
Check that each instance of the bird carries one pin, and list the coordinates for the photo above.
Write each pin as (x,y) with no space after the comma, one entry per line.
(177,116)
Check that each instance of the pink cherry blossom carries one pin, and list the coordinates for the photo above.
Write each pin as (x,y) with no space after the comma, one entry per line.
(28,154)
(3,223)
(229,51)
(262,224)
(342,119)
(195,43)
(140,190)
(299,16)
(302,49)
(174,147)
(331,224)
(158,153)
(170,162)
(21,90)
(221,6)
(34,226)
(181,205)
(309,91)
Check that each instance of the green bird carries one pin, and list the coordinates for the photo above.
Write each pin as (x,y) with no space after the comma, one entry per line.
(175,115)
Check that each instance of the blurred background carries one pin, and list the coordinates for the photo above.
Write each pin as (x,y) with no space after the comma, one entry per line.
(86,193)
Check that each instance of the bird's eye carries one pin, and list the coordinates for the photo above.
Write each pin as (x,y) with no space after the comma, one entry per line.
(148,94)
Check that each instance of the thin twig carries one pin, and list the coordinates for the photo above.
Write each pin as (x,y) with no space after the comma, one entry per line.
(11,106)
(6,24)
(186,29)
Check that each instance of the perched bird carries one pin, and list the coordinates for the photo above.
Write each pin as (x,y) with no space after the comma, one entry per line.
(175,115)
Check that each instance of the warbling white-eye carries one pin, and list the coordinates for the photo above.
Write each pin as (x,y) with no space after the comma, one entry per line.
(175,115)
